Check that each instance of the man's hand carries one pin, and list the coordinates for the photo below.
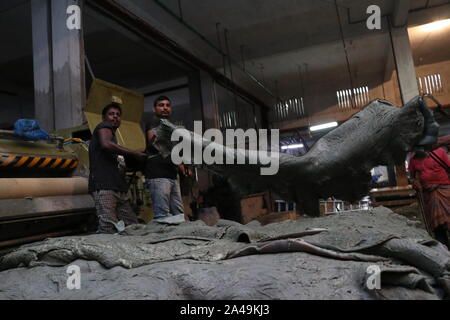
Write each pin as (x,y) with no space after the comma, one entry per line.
(139,155)
(185,171)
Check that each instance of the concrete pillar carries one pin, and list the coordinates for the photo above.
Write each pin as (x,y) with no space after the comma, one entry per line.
(58,55)
(406,70)
(42,61)
(68,65)
(407,79)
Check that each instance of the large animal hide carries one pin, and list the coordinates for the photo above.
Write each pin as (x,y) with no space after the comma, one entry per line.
(339,164)
(323,258)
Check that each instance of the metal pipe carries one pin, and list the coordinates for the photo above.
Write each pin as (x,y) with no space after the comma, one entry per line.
(219,42)
(7,133)
(163,6)
(345,51)
(42,187)
(242,57)
(180,9)
(88,64)
(229,65)
(422,210)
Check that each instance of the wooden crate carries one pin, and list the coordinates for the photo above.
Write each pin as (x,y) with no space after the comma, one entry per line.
(275,217)
(260,207)
(254,206)
(393,197)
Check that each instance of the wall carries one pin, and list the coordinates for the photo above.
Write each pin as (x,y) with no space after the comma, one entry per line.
(322,105)
(443,68)
(156,17)
(13,107)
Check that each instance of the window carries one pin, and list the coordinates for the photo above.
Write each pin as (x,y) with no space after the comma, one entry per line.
(288,110)
(430,84)
(228,120)
(349,98)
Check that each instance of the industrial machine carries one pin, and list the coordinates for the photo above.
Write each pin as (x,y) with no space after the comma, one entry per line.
(44,184)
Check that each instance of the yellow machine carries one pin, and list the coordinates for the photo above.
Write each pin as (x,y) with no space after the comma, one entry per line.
(44,185)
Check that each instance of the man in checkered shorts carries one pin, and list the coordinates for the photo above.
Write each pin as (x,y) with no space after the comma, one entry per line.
(107,182)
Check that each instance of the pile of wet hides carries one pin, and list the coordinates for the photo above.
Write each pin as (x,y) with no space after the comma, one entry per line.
(373,254)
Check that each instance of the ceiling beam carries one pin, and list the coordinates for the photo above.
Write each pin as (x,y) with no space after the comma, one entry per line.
(113,25)
(424,16)
(400,14)
(168,46)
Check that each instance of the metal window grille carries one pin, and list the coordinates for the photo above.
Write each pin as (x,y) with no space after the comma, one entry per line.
(228,120)
(431,84)
(348,98)
(289,109)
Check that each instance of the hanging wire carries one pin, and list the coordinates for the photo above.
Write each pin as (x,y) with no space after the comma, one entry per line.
(89,67)
(346,55)
(227,48)
(221,49)
(302,91)
(180,9)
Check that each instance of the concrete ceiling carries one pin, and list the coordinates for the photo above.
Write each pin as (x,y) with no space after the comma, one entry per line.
(15,54)
(428,46)
(120,57)
(114,55)
(275,40)
(15,29)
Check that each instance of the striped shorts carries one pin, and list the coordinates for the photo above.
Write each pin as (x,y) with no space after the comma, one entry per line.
(112,207)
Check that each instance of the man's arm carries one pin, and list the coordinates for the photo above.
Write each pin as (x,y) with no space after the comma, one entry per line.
(105,138)
(151,137)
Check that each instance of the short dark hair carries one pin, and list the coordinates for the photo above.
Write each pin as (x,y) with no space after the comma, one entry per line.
(161,98)
(111,106)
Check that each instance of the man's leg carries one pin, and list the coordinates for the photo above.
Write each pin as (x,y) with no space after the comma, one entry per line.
(176,201)
(160,194)
(124,210)
(105,205)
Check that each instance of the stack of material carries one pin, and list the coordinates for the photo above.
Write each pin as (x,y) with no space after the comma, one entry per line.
(321,258)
